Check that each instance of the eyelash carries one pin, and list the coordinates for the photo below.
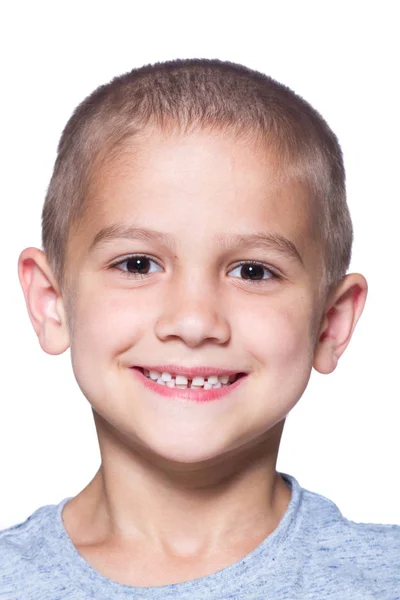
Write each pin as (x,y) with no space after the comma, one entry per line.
(129,275)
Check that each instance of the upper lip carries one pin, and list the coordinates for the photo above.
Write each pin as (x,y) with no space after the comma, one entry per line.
(189,371)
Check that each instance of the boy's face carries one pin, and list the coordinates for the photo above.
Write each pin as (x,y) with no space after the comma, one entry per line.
(196,306)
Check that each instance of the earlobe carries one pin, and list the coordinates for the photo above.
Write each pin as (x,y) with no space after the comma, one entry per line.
(342,313)
(43,301)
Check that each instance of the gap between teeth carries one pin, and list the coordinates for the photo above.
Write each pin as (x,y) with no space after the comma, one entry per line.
(198,382)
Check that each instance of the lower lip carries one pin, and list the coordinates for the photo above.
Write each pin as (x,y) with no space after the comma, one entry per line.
(188,394)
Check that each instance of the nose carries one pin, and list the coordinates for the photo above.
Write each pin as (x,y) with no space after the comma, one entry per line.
(193,313)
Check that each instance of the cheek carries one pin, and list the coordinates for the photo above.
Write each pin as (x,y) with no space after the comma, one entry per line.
(105,327)
(279,336)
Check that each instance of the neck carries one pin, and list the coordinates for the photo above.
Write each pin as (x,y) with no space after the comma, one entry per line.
(187,511)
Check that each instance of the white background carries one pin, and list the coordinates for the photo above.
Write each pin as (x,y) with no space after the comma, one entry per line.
(341,440)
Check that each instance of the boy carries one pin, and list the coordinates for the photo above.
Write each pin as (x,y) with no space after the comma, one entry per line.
(196,235)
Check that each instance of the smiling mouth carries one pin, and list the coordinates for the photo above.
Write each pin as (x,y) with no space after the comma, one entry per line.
(198,383)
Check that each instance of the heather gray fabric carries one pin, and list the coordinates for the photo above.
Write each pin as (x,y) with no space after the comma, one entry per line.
(315,553)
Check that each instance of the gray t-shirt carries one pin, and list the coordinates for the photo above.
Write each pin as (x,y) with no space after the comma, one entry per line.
(314,553)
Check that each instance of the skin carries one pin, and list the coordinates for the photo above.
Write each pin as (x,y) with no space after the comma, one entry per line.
(186,489)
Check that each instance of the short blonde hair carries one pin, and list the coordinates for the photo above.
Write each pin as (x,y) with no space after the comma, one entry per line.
(199,93)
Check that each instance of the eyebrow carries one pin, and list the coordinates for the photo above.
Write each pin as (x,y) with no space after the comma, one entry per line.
(268,241)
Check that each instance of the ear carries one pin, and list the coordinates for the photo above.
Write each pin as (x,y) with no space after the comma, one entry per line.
(43,301)
(343,309)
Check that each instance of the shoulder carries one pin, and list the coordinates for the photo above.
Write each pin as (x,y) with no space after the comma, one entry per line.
(362,553)
(27,559)
(20,539)
(19,548)
(324,520)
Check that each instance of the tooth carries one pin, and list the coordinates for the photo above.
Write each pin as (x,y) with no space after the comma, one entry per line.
(183,382)
(154,375)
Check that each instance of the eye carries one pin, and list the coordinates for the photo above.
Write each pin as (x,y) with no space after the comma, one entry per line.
(135,266)
(255,270)
(140,265)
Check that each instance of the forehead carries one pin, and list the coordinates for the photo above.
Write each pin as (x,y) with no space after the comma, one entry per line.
(214,183)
